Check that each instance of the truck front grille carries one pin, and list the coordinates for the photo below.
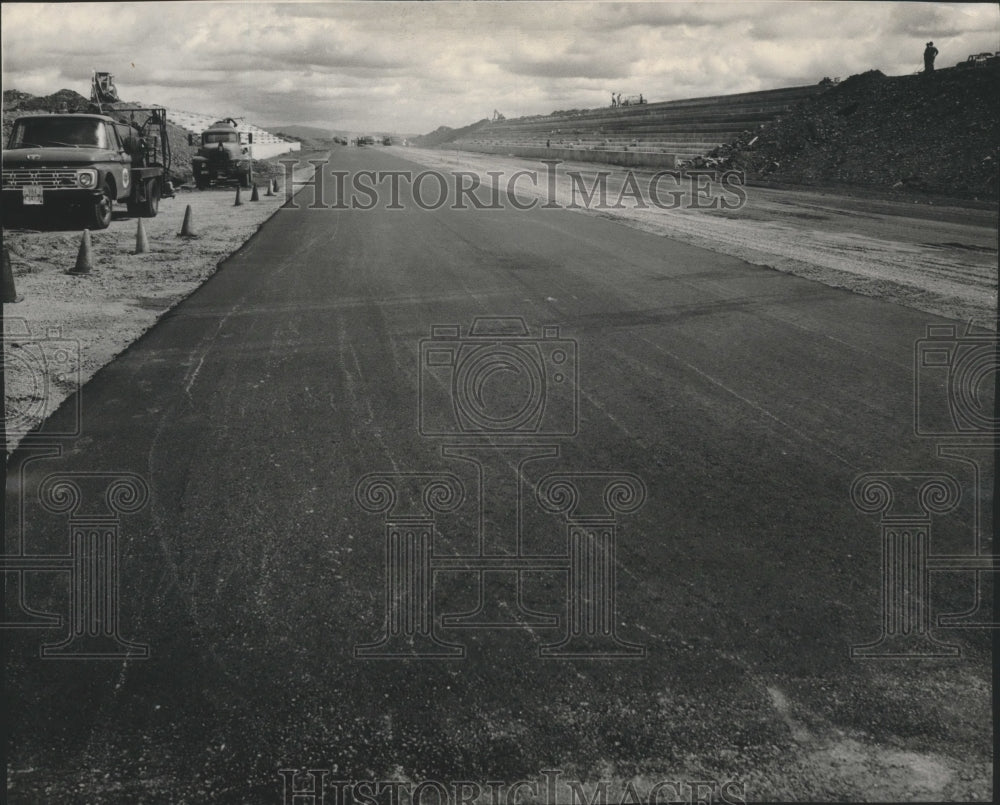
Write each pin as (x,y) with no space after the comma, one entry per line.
(46,177)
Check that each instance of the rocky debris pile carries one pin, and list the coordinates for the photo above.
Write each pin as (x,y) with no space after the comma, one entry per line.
(18,104)
(935,133)
(65,100)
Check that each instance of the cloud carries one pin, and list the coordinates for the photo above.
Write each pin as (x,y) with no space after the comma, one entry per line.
(568,67)
(416,66)
(930,20)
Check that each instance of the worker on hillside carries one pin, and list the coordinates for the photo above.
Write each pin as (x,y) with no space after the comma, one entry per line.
(929,53)
(614,103)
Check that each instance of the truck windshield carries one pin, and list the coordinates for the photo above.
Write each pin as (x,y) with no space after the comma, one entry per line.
(220,137)
(46,132)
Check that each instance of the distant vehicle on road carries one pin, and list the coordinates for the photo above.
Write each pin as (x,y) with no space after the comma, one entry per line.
(223,156)
(87,163)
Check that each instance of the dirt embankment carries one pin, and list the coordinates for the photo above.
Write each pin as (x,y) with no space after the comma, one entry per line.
(936,134)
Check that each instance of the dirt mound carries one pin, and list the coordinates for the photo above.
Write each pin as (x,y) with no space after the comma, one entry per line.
(935,133)
(64,99)
(14,97)
(17,103)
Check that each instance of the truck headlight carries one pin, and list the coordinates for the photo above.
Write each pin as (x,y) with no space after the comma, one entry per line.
(86,178)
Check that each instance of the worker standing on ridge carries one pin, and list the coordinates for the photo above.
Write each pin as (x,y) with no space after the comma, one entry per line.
(929,53)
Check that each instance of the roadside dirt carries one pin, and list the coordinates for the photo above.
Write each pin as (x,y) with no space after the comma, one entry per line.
(933,133)
(941,259)
(69,326)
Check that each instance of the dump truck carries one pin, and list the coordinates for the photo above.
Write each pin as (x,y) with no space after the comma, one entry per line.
(224,155)
(86,163)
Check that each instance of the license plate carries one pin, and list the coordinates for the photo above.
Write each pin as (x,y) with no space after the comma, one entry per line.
(32,194)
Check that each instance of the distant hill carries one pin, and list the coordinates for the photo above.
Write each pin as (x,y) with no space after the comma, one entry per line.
(445,134)
(302,132)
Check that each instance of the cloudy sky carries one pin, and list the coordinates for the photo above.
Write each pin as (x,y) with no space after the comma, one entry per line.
(410,67)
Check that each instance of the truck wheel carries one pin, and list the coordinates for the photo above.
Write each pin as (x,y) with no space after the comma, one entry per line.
(99,215)
(151,205)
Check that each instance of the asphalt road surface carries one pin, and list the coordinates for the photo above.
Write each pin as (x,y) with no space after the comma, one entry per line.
(743,401)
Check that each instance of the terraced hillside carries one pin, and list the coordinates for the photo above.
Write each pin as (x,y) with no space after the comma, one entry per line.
(914,134)
(676,129)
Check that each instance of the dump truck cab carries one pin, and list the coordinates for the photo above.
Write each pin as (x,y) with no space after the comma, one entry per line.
(225,155)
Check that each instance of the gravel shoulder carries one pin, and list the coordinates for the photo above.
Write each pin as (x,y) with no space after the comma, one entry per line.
(940,258)
(68,326)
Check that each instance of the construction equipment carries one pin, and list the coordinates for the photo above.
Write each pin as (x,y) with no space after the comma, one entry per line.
(225,155)
(980,60)
(102,89)
(89,162)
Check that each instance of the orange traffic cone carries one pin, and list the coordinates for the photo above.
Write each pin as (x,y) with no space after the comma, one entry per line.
(270,188)
(83,261)
(187,230)
(274,184)
(254,195)
(141,243)
(9,293)
(239,201)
